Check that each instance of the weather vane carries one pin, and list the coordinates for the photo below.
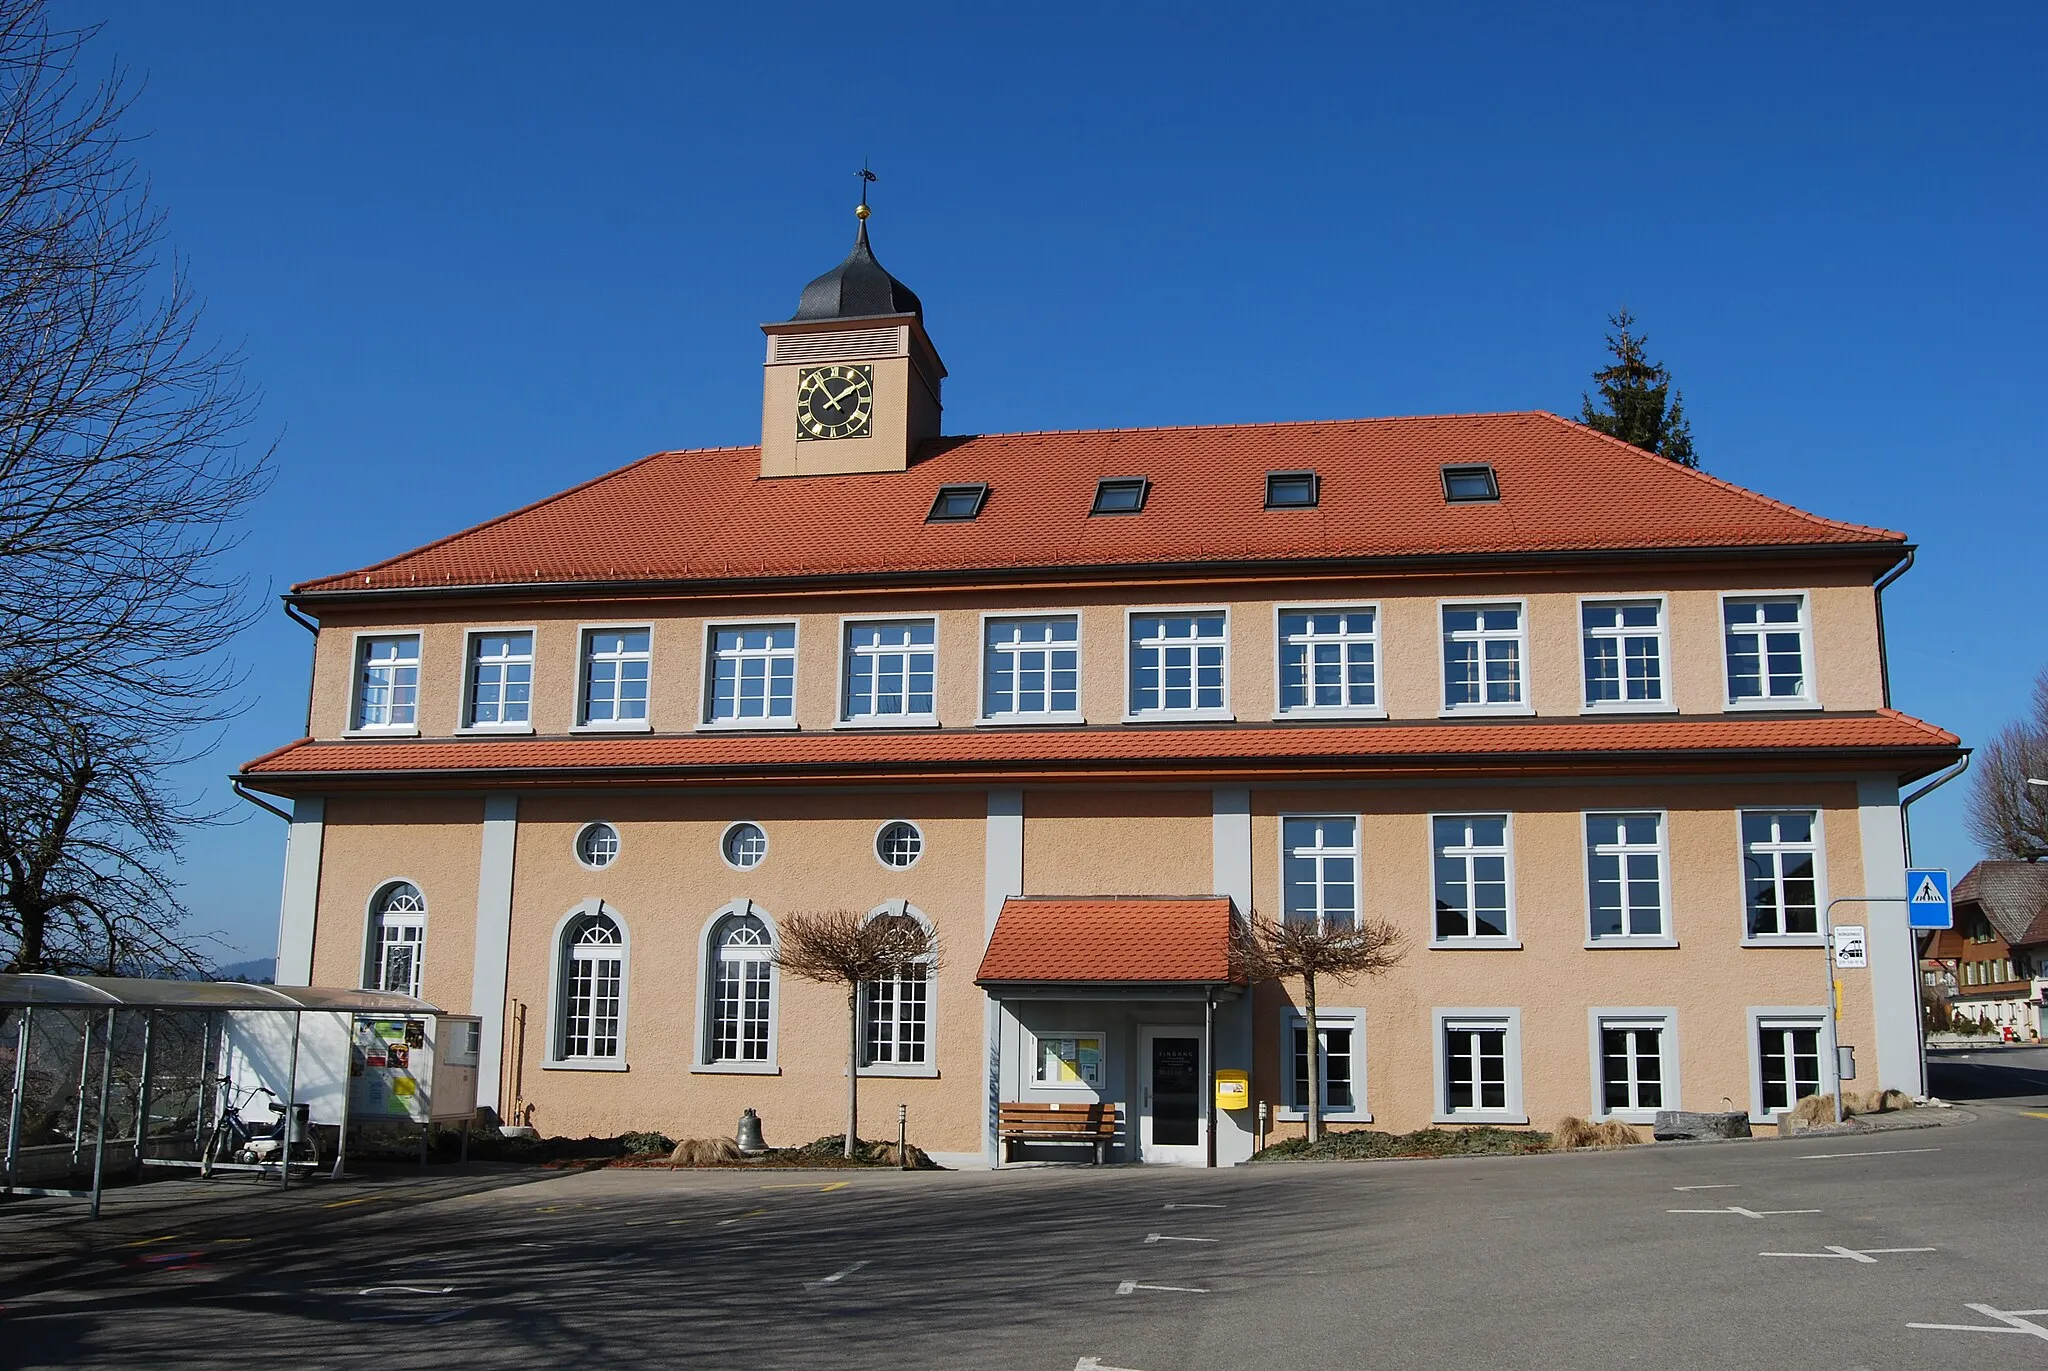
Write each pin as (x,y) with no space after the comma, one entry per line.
(867,178)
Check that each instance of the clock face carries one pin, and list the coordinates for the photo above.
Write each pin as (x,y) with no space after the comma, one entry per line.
(834,402)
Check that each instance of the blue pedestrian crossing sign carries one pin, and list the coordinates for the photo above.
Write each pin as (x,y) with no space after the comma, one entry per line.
(1927,899)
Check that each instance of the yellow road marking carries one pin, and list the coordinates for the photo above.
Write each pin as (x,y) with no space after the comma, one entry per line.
(144,1242)
(2034,1114)
(360,1199)
(810,1185)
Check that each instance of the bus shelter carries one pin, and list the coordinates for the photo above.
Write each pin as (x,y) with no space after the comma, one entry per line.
(108,1074)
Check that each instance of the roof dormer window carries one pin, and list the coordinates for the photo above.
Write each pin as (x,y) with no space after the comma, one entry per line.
(1466,485)
(1120,495)
(1292,490)
(957,504)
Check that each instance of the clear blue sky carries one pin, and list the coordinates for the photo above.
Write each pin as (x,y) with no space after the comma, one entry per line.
(480,253)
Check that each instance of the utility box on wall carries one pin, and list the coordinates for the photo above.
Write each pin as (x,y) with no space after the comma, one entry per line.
(413,1068)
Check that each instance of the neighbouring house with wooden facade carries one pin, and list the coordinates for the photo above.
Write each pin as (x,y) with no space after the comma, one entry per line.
(1990,966)
(1601,735)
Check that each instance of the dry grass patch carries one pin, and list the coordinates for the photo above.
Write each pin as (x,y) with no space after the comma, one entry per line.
(1573,1133)
(705,1152)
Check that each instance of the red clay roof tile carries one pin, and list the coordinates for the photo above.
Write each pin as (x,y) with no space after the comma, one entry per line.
(1359,747)
(1062,939)
(709,515)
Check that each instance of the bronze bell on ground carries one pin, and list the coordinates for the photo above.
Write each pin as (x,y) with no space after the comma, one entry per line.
(749,1137)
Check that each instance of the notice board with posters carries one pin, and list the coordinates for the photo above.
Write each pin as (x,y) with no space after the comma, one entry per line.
(390,1067)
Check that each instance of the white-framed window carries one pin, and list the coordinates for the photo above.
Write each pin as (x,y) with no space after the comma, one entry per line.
(1067,1059)
(387,683)
(500,684)
(1479,1066)
(592,996)
(1471,875)
(597,846)
(892,672)
(1781,855)
(1770,650)
(753,674)
(1635,1063)
(1179,664)
(742,991)
(1329,660)
(896,1013)
(398,939)
(1485,646)
(616,663)
(1031,668)
(1319,869)
(898,844)
(1624,653)
(1342,1041)
(744,846)
(1792,1057)
(1625,885)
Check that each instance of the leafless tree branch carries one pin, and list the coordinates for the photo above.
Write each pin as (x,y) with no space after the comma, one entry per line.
(2008,817)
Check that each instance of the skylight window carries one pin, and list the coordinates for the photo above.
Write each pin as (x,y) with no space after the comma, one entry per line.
(1120,495)
(957,504)
(1292,490)
(1462,485)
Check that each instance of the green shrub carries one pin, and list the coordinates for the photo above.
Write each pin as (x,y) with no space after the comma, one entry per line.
(647,1144)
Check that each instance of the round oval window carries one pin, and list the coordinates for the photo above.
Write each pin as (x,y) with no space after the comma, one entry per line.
(899,844)
(597,845)
(745,846)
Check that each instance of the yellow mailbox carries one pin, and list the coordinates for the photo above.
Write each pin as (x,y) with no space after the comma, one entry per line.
(1233,1090)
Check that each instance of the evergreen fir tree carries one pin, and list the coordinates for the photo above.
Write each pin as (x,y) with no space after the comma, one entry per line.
(1641,406)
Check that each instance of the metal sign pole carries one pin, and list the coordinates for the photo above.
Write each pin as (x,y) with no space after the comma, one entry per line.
(1834,1000)
(84,1079)
(21,1044)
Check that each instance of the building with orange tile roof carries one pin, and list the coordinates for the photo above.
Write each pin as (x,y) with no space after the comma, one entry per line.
(1600,736)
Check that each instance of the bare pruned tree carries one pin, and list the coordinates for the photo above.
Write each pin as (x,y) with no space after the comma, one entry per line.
(1311,952)
(853,950)
(122,476)
(2007,816)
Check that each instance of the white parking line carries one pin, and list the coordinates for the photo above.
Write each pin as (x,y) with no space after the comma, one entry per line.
(1126,1287)
(407,1290)
(825,1282)
(1891,1152)
(1746,1213)
(1867,1255)
(1186,1206)
(1168,1237)
(2009,1321)
(1726,1185)
(1095,1364)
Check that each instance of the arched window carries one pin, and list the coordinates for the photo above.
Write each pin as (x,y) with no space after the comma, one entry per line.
(742,989)
(896,1012)
(398,935)
(593,972)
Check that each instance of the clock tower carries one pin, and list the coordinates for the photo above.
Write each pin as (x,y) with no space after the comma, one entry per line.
(852,381)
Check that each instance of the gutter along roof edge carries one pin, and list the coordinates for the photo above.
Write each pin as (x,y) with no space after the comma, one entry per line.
(1884,553)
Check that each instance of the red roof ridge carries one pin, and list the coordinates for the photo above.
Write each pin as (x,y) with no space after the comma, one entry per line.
(1712,479)
(492,522)
(1254,423)
(1934,730)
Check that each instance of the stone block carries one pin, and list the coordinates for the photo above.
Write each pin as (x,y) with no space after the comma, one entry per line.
(1675,1124)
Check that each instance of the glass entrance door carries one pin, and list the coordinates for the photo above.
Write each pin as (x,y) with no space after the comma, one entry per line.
(1170,1120)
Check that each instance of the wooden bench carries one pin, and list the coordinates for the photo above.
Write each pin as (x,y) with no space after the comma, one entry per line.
(1067,1123)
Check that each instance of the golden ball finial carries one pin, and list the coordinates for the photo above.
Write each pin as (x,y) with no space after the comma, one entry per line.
(860,212)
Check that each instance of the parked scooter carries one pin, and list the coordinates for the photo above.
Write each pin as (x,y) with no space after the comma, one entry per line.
(233,1139)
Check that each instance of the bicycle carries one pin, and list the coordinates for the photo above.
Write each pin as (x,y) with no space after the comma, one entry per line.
(233,1139)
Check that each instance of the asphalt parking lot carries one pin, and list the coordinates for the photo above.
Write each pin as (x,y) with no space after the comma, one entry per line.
(1908,1248)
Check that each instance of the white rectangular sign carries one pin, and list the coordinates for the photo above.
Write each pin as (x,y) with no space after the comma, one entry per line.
(1850,952)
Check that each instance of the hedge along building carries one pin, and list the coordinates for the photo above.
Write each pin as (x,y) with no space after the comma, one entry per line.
(1600,734)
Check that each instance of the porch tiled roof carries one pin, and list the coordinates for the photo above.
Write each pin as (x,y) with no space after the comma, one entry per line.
(1062,939)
